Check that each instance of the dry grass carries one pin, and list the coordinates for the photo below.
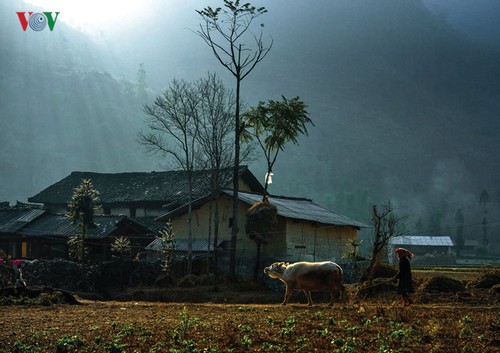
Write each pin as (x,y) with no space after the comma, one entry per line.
(460,273)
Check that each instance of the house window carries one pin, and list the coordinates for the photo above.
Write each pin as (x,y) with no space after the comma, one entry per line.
(106,211)
(230,222)
(132,211)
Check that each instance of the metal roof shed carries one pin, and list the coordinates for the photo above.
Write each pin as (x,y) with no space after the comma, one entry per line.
(428,249)
(422,240)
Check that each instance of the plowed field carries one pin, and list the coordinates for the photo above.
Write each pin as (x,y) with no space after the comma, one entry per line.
(458,322)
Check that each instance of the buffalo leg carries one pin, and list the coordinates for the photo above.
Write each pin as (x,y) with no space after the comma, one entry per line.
(308,296)
(342,291)
(331,299)
(288,294)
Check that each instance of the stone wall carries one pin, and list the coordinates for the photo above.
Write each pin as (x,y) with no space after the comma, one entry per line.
(75,277)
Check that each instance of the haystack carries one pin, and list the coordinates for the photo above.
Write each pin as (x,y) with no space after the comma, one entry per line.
(442,284)
(261,221)
(488,279)
(381,270)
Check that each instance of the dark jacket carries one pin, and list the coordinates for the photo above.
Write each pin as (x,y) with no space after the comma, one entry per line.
(405,284)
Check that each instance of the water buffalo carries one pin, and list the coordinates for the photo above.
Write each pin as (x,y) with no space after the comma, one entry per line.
(308,276)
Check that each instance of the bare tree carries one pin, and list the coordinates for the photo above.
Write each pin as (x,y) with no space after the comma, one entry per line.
(227,32)
(216,106)
(386,225)
(173,123)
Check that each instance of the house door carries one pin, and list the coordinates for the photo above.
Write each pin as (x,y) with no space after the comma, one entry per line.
(13,250)
(24,249)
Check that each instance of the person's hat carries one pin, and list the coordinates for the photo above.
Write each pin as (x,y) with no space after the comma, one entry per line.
(403,252)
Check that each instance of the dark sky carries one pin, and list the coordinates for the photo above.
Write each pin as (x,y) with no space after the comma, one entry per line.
(479,19)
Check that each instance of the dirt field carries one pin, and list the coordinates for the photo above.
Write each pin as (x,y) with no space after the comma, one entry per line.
(468,321)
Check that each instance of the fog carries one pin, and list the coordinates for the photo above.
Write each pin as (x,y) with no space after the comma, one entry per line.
(405,97)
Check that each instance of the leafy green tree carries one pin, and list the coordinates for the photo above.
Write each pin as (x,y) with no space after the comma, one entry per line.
(166,237)
(353,253)
(275,124)
(81,211)
(121,247)
(227,31)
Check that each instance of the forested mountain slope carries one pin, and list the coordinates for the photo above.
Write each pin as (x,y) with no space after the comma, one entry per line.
(60,110)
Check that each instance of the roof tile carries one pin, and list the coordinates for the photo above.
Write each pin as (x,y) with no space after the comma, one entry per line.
(13,219)
(60,226)
(163,187)
(303,209)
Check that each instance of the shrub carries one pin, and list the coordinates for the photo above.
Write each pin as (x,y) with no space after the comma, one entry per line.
(189,281)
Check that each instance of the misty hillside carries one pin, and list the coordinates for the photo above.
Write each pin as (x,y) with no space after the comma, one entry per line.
(401,99)
(60,110)
(406,108)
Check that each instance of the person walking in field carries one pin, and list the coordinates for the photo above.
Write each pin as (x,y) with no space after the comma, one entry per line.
(405,285)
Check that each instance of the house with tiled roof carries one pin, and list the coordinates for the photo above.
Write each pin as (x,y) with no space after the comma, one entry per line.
(47,237)
(13,219)
(305,231)
(141,194)
(35,233)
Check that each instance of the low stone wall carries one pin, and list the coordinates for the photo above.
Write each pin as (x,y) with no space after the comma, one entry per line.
(75,277)
(353,270)
(67,275)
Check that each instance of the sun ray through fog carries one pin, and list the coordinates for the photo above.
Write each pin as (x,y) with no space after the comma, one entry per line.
(93,16)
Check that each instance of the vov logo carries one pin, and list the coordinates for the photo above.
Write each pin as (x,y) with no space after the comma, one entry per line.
(37,21)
